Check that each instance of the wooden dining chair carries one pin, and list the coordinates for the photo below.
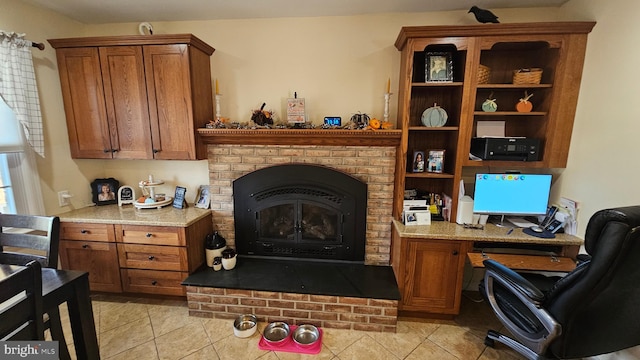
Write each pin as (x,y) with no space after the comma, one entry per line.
(24,238)
(21,305)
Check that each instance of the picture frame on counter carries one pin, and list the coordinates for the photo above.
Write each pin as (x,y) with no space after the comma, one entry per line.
(179,201)
(203,199)
(104,191)
(126,195)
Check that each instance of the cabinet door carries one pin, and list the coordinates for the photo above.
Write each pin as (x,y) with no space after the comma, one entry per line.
(99,259)
(170,101)
(126,101)
(434,276)
(83,96)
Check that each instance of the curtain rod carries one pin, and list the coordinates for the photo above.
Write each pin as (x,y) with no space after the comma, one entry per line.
(37,45)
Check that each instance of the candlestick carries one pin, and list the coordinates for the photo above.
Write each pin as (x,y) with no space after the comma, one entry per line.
(388,85)
(218,89)
(218,112)
(387,96)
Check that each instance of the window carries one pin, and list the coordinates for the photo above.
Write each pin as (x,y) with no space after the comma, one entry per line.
(20,191)
(7,201)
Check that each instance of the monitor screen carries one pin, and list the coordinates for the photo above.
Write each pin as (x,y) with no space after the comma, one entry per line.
(511,194)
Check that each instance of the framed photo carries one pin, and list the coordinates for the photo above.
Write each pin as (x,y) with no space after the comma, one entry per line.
(104,191)
(418,161)
(126,195)
(178,200)
(203,199)
(438,67)
(435,163)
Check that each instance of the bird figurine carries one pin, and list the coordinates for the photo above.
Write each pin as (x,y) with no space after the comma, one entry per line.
(483,16)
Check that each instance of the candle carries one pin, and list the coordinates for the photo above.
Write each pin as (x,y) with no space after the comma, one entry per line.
(217,88)
(388,85)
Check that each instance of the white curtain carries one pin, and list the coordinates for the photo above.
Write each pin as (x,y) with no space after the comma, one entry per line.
(19,92)
(18,86)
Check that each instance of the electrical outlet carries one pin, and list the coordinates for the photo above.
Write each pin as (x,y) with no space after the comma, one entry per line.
(64,198)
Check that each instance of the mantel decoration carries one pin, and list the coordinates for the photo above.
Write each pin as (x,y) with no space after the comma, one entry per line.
(262,117)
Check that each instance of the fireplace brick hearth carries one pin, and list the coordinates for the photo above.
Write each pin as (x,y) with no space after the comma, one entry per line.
(371,164)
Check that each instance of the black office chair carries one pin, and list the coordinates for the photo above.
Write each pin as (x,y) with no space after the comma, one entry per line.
(592,310)
(21,305)
(34,238)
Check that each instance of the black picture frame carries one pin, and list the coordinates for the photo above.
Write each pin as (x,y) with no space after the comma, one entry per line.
(105,191)
(179,200)
(438,67)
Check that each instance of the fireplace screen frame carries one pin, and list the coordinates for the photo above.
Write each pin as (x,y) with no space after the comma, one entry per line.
(342,195)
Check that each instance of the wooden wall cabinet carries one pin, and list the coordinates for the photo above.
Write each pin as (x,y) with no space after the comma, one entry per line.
(557,48)
(135,97)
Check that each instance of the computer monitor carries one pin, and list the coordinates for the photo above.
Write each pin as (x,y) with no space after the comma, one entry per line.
(512,194)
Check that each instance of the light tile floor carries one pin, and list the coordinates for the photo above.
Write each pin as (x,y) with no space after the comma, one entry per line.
(147,328)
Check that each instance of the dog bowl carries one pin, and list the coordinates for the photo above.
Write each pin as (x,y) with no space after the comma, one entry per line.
(306,335)
(245,325)
(276,332)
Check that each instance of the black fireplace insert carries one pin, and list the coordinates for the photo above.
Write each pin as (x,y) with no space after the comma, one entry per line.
(300,211)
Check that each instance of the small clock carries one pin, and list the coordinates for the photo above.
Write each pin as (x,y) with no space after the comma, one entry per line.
(125,195)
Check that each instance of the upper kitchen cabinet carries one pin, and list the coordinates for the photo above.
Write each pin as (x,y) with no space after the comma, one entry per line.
(135,97)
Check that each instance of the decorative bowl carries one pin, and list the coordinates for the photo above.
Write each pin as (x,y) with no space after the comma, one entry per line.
(245,325)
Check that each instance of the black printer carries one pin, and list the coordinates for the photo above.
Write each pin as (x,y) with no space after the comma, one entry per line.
(507,148)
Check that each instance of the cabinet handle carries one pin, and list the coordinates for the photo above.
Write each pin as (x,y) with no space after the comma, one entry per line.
(114,150)
(155,151)
(85,246)
(84,231)
(106,151)
(151,257)
(455,252)
(149,235)
(154,283)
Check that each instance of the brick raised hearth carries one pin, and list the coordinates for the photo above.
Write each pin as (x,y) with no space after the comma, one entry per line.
(368,156)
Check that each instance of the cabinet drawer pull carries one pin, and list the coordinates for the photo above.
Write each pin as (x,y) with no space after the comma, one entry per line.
(155,151)
(85,246)
(455,252)
(151,257)
(114,150)
(106,151)
(84,231)
(149,235)
(154,283)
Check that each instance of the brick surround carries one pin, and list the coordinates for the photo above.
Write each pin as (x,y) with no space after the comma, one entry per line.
(325,311)
(373,165)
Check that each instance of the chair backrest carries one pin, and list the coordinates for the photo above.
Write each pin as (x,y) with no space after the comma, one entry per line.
(21,304)
(596,304)
(34,237)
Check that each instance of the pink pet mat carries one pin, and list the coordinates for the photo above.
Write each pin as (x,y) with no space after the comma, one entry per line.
(290,346)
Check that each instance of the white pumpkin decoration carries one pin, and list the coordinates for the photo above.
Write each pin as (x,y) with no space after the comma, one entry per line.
(434,116)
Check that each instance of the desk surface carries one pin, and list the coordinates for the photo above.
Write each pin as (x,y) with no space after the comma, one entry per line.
(490,233)
(128,214)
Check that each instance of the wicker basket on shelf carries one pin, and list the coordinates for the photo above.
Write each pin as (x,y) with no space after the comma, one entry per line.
(527,76)
(483,74)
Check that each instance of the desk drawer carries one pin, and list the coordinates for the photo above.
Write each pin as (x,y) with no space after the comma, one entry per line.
(153,282)
(87,231)
(153,257)
(152,235)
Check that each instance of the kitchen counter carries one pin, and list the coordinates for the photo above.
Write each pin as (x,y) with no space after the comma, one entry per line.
(130,215)
(490,233)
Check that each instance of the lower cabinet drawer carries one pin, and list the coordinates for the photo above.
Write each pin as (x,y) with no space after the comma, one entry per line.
(153,282)
(153,257)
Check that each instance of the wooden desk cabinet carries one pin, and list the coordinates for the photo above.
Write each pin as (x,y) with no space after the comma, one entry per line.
(135,97)
(135,258)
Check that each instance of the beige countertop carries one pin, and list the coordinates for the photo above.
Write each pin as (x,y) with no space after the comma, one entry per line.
(128,214)
(490,233)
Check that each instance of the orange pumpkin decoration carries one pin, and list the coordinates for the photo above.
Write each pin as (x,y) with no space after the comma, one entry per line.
(524,105)
(386,125)
(374,123)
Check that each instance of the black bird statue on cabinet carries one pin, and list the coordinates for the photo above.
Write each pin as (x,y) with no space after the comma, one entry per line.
(483,16)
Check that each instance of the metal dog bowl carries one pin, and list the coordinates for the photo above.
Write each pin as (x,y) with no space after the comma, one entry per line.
(306,335)
(276,332)
(245,325)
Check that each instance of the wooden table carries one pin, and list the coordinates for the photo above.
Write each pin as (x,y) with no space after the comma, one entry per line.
(72,287)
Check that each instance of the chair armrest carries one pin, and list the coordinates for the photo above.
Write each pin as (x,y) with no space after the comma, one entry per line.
(514,279)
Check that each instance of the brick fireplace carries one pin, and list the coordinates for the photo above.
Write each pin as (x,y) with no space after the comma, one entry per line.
(367,156)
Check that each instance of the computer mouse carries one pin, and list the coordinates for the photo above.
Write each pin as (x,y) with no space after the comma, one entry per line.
(537,229)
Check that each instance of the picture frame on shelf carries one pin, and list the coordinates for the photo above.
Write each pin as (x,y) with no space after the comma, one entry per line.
(438,67)
(435,162)
(104,191)
(203,199)
(418,162)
